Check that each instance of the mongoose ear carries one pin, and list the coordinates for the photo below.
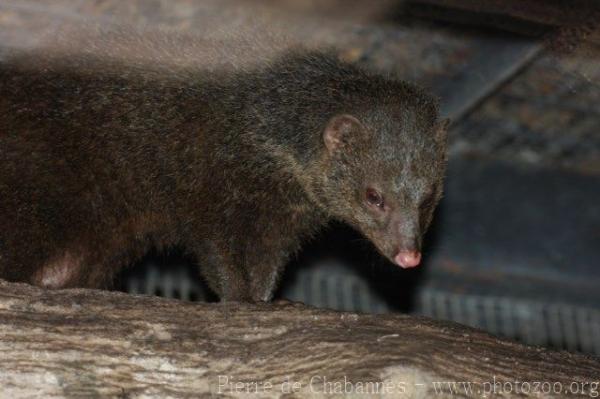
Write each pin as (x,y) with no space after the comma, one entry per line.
(339,130)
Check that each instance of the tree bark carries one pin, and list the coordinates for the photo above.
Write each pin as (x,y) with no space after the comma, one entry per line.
(90,343)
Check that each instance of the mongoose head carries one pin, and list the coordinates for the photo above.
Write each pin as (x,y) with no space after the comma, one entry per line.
(384,171)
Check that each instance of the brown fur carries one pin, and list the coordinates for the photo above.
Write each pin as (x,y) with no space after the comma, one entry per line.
(104,159)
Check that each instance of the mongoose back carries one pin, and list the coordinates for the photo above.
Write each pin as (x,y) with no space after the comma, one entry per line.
(102,160)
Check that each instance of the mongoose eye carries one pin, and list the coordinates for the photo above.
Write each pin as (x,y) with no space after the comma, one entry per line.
(374,198)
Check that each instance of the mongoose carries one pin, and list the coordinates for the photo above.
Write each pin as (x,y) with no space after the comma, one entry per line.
(102,159)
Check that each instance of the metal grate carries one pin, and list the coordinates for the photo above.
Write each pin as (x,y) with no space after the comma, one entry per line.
(557,325)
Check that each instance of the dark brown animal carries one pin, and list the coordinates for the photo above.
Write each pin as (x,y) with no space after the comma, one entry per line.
(102,159)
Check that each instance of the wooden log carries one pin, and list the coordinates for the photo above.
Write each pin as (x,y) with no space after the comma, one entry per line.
(90,343)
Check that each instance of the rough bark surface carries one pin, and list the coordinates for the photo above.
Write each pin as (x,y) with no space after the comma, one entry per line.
(90,343)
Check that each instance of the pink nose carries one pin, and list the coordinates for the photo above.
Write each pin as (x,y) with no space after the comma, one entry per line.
(407,259)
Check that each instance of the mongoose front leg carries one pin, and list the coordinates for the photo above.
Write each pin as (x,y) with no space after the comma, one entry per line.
(222,270)
(233,283)
(270,246)
(264,277)
(265,261)
(251,275)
